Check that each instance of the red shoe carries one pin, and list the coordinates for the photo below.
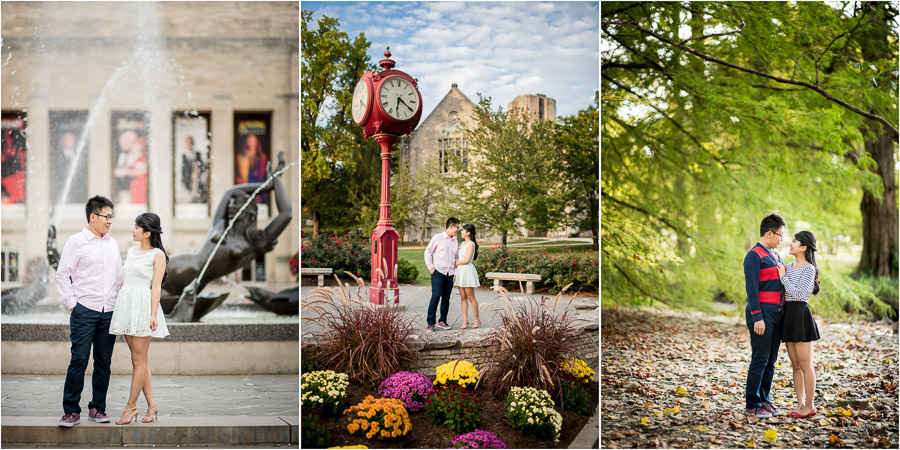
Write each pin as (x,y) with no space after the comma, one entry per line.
(811,413)
(793,414)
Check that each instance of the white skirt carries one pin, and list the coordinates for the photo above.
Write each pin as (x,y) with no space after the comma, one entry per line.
(132,314)
(466,276)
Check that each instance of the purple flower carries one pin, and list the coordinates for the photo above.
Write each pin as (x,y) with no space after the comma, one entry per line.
(478,439)
(409,387)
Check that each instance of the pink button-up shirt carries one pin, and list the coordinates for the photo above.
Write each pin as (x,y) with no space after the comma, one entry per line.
(90,271)
(441,253)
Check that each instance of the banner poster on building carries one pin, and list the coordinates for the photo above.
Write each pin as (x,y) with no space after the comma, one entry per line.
(191,159)
(129,144)
(12,158)
(66,128)
(251,151)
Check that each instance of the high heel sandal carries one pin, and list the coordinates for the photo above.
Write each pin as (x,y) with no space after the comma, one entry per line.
(464,325)
(476,323)
(125,419)
(152,414)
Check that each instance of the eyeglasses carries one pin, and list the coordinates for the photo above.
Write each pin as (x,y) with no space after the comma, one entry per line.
(108,217)
(780,237)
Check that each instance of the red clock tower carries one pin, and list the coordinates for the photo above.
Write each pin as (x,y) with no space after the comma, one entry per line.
(386,104)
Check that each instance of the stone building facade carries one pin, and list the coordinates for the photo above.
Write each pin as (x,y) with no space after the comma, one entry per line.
(171,103)
(441,135)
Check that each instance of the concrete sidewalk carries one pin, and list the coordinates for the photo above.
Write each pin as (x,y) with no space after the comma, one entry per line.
(415,300)
(247,410)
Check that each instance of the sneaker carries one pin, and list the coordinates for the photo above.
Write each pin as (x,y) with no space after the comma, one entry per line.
(759,412)
(443,325)
(70,420)
(98,416)
(430,329)
(770,408)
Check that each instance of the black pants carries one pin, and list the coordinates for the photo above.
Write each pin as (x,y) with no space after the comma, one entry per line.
(765,353)
(441,288)
(88,327)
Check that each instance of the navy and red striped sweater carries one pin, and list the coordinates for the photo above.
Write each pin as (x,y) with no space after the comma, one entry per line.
(764,288)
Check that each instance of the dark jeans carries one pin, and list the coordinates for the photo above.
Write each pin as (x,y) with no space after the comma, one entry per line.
(765,353)
(441,288)
(88,327)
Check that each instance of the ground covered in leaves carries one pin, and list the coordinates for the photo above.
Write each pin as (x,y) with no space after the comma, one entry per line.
(676,379)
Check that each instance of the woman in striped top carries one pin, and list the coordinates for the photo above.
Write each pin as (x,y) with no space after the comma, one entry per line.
(800,280)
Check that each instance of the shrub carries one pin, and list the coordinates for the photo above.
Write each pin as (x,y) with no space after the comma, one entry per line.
(556,268)
(478,439)
(406,271)
(579,369)
(461,373)
(411,388)
(575,398)
(357,338)
(455,407)
(324,391)
(383,418)
(348,253)
(314,435)
(533,341)
(531,412)
(309,359)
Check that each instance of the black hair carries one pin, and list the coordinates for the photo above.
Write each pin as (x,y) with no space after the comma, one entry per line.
(809,240)
(149,222)
(471,229)
(95,204)
(772,223)
(452,221)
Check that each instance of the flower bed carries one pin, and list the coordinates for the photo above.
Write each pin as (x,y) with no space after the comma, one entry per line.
(426,434)
(556,268)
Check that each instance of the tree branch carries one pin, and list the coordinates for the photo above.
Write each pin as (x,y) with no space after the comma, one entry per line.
(662,220)
(893,130)
(636,285)
(835,40)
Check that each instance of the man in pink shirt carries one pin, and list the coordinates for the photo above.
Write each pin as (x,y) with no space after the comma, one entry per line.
(440,258)
(88,279)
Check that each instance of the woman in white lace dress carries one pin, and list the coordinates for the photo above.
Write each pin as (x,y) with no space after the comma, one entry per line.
(138,314)
(467,275)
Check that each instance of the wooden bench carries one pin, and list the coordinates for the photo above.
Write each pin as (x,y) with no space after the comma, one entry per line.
(528,278)
(320,272)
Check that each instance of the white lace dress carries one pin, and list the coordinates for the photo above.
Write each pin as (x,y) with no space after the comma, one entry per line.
(466,274)
(131,315)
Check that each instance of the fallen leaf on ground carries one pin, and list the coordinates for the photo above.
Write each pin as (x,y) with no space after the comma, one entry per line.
(771,435)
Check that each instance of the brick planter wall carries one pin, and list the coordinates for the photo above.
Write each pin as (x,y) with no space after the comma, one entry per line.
(442,347)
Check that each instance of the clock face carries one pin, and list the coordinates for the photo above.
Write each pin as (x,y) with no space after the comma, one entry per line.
(398,97)
(360,101)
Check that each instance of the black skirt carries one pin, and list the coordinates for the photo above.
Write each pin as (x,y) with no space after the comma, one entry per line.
(799,324)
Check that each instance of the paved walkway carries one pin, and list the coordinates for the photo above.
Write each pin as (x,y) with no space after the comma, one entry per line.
(177,396)
(417,298)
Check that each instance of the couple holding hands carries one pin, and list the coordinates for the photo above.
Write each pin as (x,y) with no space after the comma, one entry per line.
(450,264)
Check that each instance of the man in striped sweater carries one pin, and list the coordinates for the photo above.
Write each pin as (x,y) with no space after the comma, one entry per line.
(765,306)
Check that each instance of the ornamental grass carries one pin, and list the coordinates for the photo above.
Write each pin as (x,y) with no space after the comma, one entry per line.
(412,388)
(369,343)
(383,418)
(534,340)
(456,373)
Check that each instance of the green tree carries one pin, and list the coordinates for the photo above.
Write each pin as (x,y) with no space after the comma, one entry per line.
(507,179)
(336,173)
(715,114)
(578,147)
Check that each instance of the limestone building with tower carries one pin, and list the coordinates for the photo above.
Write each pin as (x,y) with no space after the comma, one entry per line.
(441,135)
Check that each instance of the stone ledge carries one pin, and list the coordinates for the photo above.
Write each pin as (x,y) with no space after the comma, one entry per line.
(179,332)
(216,431)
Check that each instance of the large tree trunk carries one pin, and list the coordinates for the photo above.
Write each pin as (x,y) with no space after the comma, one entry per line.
(879,216)
(316,218)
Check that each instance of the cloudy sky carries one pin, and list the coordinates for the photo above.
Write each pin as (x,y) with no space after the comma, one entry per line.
(498,49)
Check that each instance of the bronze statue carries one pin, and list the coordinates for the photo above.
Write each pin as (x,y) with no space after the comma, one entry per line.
(243,244)
(285,302)
(21,299)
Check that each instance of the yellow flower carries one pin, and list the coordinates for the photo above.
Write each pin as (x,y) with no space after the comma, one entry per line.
(385,434)
(364,425)
(352,428)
